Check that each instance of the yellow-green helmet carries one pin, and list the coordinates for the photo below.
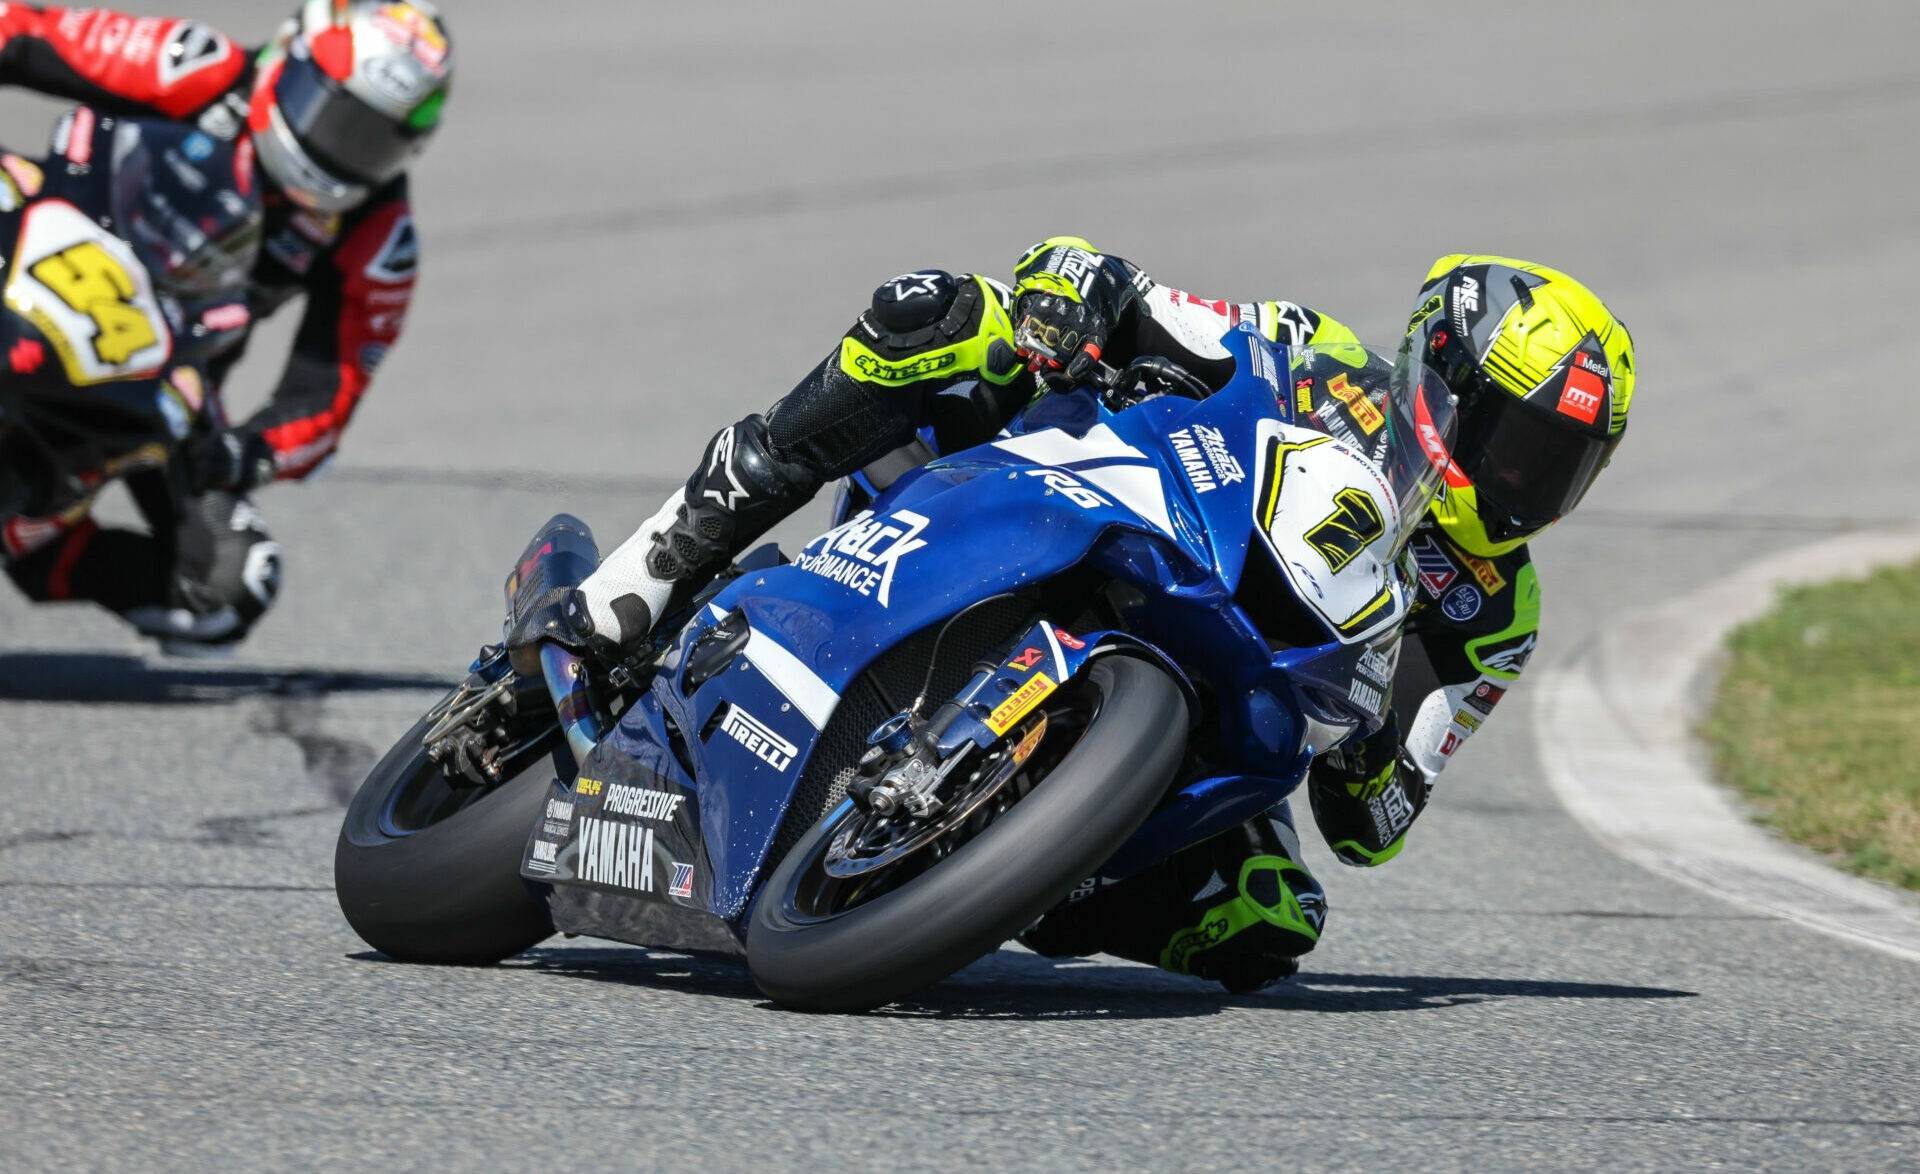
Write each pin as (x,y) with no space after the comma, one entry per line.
(1544,374)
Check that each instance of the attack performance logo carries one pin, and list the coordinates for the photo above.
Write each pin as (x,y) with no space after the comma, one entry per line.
(1204,456)
(1376,666)
(862,552)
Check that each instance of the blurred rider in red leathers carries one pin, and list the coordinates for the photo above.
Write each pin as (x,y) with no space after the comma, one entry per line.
(332,110)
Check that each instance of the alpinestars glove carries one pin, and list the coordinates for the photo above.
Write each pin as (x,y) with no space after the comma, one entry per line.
(1059,338)
(1069,298)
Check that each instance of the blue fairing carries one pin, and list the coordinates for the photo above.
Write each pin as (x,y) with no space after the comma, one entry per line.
(1158,498)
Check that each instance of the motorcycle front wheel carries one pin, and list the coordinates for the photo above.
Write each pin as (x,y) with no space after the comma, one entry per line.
(820,942)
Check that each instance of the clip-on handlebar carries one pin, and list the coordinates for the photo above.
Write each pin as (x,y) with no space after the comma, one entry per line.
(1118,387)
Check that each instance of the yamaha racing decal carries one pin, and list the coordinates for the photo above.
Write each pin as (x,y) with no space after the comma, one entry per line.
(623,828)
(617,855)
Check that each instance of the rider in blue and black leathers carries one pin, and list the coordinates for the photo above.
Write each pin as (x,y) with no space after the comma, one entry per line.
(933,365)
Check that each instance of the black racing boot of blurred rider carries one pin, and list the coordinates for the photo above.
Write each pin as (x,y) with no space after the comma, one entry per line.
(932,351)
(197,581)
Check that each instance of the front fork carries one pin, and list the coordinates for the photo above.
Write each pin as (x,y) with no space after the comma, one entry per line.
(907,759)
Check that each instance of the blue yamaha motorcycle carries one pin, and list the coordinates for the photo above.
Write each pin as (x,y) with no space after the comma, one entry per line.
(1127,624)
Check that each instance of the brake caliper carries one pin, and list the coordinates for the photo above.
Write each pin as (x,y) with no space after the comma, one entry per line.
(899,771)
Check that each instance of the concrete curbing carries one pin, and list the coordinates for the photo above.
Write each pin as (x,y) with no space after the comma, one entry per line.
(1613,718)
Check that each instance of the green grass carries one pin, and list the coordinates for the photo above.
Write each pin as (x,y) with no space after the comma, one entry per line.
(1817,721)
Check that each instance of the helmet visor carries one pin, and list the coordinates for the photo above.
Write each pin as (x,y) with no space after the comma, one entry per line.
(1529,465)
(343,134)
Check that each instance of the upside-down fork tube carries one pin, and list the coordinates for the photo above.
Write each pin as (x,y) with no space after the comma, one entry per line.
(567,684)
(1002,694)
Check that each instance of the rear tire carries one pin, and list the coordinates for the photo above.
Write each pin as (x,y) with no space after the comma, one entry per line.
(449,891)
(1023,863)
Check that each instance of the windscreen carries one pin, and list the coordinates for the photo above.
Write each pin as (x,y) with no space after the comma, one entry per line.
(1390,407)
(177,200)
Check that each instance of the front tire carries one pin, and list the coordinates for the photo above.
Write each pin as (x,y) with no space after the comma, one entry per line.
(428,872)
(1022,864)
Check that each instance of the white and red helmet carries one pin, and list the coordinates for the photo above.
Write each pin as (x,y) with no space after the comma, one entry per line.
(347,95)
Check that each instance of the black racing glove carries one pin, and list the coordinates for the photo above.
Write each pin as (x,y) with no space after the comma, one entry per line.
(1069,299)
(1059,338)
(233,462)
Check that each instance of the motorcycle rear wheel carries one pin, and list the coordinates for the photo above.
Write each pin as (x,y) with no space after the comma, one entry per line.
(807,956)
(428,872)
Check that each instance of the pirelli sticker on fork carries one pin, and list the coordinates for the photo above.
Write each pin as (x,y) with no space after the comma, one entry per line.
(1021,703)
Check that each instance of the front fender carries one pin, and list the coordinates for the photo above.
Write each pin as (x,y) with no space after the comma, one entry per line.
(1002,696)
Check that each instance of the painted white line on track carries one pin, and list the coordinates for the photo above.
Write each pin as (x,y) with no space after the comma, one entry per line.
(1613,721)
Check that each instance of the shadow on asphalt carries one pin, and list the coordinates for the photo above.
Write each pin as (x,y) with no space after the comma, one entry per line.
(1018,985)
(99,677)
(1401,992)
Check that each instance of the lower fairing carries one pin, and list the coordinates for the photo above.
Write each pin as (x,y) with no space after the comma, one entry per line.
(640,922)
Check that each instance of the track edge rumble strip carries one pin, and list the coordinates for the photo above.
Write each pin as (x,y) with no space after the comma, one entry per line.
(1613,720)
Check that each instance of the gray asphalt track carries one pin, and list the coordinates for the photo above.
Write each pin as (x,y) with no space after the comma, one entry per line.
(644,220)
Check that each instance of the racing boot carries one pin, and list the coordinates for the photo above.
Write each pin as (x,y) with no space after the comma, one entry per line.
(739,492)
(1238,909)
(226,576)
